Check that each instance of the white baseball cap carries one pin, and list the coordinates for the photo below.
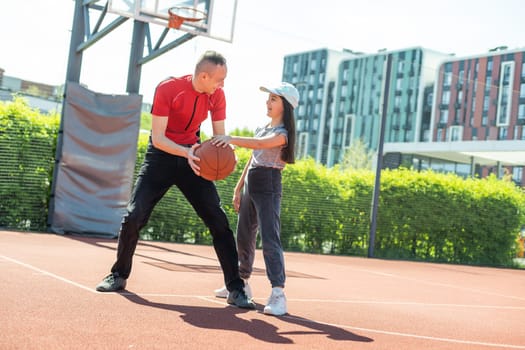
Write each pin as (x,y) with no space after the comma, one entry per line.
(286,90)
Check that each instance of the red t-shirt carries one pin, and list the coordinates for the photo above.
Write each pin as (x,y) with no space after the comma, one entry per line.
(186,108)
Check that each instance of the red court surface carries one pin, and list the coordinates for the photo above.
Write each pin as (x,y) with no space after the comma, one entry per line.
(49,302)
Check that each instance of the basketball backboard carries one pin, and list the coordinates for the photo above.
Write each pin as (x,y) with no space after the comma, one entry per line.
(219,23)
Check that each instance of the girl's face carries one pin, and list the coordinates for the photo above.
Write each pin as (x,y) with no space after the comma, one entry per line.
(275,106)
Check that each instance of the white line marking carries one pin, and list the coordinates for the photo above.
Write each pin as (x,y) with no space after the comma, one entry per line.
(47,273)
(471,306)
(208,299)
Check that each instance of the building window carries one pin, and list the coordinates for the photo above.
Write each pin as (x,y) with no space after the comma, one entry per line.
(517,174)
(474,134)
(488,83)
(301,110)
(426,136)
(348,129)
(519,132)
(299,124)
(502,133)
(399,84)
(455,133)
(486,103)
(447,79)
(439,135)
(504,96)
(445,98)
(344,91)
(317,109)
(397,101)
(313,64)
(522,90)
(430,97)
(443,116)
(302,150)
(521,111)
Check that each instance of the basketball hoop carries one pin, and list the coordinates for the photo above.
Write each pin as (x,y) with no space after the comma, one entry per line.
(179,15)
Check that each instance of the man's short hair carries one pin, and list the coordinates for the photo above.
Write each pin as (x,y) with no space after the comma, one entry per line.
(210,57)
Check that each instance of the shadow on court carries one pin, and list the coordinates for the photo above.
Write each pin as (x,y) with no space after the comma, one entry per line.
(226,319)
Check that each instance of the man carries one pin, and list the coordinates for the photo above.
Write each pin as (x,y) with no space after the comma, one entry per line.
(180,105)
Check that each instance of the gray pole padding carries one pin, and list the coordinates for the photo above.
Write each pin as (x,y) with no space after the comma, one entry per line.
(96,166)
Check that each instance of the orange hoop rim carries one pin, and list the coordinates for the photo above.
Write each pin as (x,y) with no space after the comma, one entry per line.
(181,14)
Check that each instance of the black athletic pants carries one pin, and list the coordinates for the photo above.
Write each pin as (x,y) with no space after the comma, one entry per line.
(160,171)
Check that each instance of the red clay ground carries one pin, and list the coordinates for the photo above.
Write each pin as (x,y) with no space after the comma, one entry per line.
(49,302)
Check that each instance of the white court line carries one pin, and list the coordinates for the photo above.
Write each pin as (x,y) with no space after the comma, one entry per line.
(470,306)
(47,273)
(407,335)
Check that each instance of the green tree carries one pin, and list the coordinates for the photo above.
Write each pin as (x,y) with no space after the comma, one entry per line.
(145,121)
(358,156)
(33,90)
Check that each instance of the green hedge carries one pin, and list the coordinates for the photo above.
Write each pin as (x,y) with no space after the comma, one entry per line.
(422,215)
(27,153)
(441,217)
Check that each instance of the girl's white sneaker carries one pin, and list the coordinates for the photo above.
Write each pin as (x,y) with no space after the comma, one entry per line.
(223,292)
(276,304)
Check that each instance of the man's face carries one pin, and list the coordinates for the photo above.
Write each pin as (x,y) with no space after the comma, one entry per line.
(214,79)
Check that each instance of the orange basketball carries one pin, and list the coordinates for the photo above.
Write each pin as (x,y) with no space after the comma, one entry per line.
(216,163)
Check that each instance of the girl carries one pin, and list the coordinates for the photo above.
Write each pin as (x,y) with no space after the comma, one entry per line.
(257,195)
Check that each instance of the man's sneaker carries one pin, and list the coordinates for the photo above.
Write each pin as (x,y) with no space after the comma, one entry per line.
(238,298)
(223,292)
(111,283)
(276,303)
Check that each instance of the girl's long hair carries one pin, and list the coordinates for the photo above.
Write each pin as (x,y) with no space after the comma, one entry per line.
(288,151)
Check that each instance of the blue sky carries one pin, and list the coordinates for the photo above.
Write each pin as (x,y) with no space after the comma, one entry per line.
(36,34)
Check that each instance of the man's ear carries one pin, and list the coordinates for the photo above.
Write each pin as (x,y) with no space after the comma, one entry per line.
(203,76)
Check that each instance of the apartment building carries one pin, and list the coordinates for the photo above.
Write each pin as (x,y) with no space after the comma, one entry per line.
(359,98)
(478,117)
(480,98)
(44,97)
(434,103)
(315,74)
